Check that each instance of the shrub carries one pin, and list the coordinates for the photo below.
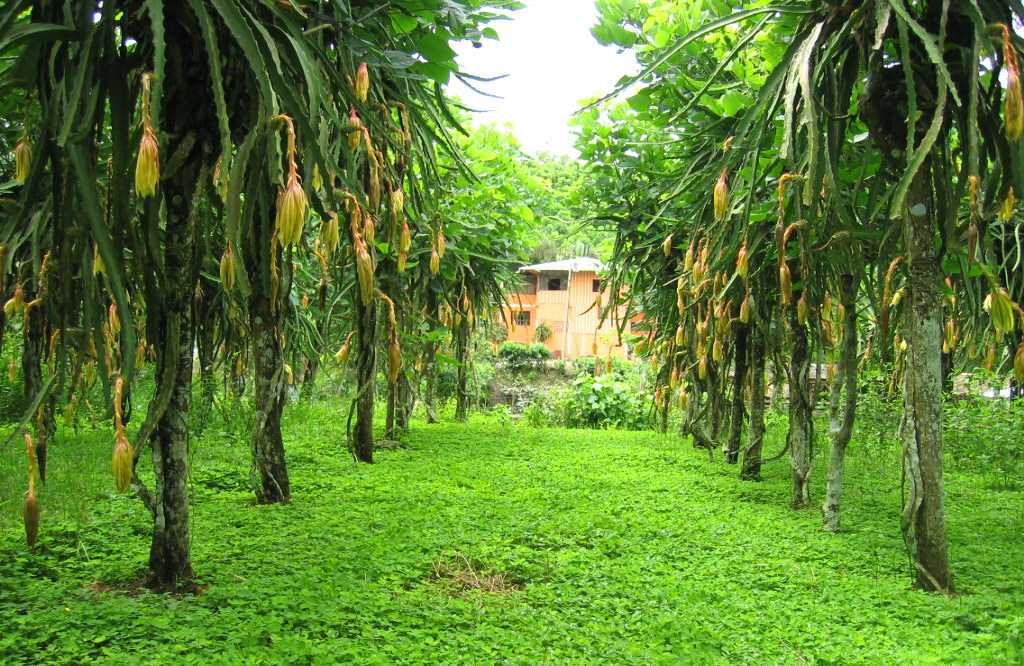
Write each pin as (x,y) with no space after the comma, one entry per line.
(994,450)
(517,357)
(584,365)
(606,402)
(542,333)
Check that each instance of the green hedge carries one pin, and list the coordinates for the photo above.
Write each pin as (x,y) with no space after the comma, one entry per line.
(517,356)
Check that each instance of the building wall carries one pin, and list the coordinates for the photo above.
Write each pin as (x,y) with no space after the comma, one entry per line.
(554,308)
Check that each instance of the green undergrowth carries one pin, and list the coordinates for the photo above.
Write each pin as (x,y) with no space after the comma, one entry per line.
(497,542)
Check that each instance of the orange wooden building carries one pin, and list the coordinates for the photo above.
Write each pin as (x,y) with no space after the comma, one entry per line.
(562,295)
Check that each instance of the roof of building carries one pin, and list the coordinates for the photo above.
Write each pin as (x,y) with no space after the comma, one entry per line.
(576,265)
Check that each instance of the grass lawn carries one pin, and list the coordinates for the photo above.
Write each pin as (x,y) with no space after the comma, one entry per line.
(495,542)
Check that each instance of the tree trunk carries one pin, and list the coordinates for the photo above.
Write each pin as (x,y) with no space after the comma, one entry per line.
(844,407)
(34,350)
(718,412)
(666,401)
(732,450)
(800,437)
(947,372)
(429,367)
(778,382)
(309,379)
(923,519)
(366,375)
(462,355)
(405,402)
(755,445)
(207,355)
(389,421)
(884,340)
(170,562)
(270,472)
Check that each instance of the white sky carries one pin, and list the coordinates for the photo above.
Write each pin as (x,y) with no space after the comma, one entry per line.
(552,62)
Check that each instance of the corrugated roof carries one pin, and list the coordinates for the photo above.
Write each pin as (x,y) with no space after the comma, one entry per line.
(576,265)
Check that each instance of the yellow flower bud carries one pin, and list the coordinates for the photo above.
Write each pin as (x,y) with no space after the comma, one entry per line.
(785,283)
(330,235)
(147,165)
(369,228)
(1006,210)
(355,134)
(435,261)
(397,205)
(745,310)
(364,271)
(802,309)
(122,461)
(394,359)
(1013,109)
(291,211)
(742,262)
(721,196)
(342,355)
(22,160)
(361,89)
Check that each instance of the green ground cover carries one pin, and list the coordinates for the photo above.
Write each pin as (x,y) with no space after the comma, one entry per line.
(498,542)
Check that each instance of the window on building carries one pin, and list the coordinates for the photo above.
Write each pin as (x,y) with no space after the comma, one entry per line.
(555,284)
(596,286)
(523,318)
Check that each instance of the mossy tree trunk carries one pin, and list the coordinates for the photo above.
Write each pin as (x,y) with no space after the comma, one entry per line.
(430,358)
(406,401)
(270,267)
(462,380)
(366,375)
(923,518)
(843,403)
(430,381)
(309,379)
(206,349)
(751,470)
(390,431)
(170,561)
(732,449)
(800,437)
(270,468)
(36,336)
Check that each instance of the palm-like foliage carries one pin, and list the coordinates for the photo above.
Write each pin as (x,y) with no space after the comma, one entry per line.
(886,119)
(219,81)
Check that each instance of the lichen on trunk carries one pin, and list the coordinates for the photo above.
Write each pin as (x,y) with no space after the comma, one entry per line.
(366,374)
(462,379)
(800,436)
(430,380)
(170,561)
(843,404)
(33,352)
(732,449)
(751,469)
(270,471)
(923,518)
